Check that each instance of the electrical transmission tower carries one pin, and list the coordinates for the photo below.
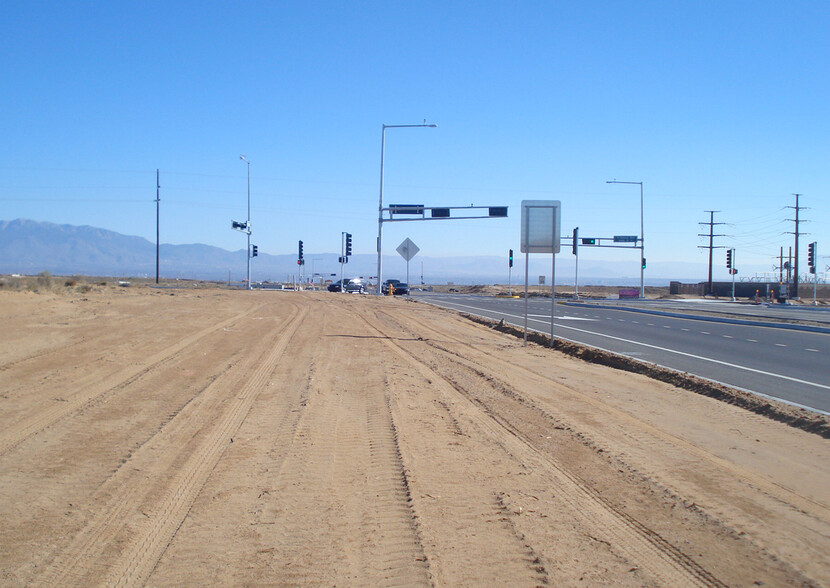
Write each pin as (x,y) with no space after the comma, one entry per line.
(711,245)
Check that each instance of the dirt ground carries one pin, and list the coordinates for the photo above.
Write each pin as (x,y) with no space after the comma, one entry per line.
(195,437)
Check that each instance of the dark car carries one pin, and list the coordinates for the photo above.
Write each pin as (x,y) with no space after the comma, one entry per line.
(386,284)
(336,287)
(401,289)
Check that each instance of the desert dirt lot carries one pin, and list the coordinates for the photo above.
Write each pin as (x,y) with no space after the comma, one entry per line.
(214,437)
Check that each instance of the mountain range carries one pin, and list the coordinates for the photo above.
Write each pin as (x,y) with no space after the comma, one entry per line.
(30,247)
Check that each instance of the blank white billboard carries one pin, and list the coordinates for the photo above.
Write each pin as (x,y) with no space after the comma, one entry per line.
(540,226)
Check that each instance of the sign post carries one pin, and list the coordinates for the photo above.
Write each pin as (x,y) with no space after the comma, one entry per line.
(407,250)
(541,234)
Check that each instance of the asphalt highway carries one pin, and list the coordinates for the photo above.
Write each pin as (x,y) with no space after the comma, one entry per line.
(782,363)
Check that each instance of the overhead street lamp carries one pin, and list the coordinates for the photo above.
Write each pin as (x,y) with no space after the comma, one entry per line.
(248,223)
(380,200)
(642,241)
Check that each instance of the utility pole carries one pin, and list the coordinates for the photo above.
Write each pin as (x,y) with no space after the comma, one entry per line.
(797,233)
(711,245)
(158,199)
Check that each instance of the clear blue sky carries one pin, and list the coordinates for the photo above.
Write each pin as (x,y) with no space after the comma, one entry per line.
(714,105)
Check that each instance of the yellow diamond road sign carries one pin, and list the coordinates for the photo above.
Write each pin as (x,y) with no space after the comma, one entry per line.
(407,249)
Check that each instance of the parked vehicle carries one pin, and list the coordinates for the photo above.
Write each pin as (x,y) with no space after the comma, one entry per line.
(336,286)
(386,284)
(356,286)
(401,289)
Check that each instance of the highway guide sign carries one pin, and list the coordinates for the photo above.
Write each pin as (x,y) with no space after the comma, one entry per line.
(407,249)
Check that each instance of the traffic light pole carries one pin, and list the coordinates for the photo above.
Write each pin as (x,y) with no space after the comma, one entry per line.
(342,259)
(733,271)
(576,262)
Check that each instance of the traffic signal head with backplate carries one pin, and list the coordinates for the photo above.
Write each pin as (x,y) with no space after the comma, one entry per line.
(811,257)
(644,263)
(300,256)
(729,259)
(510,259)
(589,241)
(254,250)
(348,244)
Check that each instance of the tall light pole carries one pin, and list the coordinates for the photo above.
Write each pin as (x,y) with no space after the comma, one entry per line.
(642,237)
(380,200)
(248,222)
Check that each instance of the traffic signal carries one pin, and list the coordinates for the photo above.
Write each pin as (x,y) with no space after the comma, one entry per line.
(254,251)
(300,256)
(239,225)
(510,259)
(575,243)
(811,257)
(589,241)
(644,263)
(729,259)
(348,244)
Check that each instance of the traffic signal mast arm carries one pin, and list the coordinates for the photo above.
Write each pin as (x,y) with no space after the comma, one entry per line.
(619,242)
(419,212)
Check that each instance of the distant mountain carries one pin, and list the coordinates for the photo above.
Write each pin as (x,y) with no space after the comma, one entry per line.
(29,247)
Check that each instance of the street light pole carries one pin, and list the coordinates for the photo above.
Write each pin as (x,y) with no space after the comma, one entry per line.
(380,199)
(248,223)
(642,237)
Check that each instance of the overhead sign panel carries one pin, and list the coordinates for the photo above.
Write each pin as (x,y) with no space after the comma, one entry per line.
(625,238)
(540,226)
(406,208)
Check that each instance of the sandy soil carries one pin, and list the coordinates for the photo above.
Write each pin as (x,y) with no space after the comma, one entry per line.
(212,437)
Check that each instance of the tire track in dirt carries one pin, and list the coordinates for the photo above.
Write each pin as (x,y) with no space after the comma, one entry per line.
(645,433)
(92,389)
(145,543)
(638,543)
(344,456)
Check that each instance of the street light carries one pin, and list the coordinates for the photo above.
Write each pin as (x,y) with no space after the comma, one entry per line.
(380,200)
(642,236)
(248,224)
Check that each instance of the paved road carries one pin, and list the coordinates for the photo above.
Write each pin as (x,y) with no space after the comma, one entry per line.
(786,364)
(816,315)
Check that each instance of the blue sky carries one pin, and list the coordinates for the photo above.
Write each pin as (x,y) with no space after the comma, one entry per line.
(713,105)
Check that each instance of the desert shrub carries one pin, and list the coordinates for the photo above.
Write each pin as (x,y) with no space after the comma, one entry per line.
(44,280)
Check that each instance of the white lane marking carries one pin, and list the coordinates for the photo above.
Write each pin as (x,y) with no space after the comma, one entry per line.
(683,353)
(687,330)
(812,350)
(666,327)
(727,336)
(705,333)
(780,345)
(752,340)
